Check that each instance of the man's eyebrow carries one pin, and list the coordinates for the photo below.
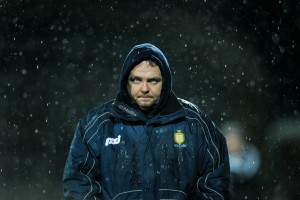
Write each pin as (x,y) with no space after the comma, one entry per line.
(134,76)
(157,78)
(154,79)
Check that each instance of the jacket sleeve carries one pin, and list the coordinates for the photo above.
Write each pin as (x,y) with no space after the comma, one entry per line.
(214,169)
(82,172)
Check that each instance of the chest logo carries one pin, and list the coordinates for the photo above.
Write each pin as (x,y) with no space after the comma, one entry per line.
(179,137)
(113,140)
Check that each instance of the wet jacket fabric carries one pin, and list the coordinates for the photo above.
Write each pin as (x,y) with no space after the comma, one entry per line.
(119,152)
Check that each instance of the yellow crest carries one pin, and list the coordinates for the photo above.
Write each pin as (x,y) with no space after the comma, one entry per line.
(179,137)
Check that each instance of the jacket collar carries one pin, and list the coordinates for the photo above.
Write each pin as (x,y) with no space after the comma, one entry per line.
(172,111)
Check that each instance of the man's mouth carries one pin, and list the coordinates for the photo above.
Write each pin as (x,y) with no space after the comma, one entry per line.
(145,97)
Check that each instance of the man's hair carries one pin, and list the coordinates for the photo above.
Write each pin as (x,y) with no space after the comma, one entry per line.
(151,63)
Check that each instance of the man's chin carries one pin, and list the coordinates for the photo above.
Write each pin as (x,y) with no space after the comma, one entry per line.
(145,107)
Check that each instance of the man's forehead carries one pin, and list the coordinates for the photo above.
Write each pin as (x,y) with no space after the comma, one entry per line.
(145,68)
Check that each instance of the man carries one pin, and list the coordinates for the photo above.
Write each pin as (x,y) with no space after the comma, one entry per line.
(147,143)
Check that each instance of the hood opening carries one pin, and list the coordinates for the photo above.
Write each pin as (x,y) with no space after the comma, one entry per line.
(138,54)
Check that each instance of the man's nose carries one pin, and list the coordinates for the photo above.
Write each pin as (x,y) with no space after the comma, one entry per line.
(145,87)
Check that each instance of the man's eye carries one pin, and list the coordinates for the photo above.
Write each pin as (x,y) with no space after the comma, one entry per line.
(154,81)
(135,80)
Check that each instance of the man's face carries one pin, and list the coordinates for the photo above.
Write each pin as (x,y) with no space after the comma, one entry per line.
(145,84)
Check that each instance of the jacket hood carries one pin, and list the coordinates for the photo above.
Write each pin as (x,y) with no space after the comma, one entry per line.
(137,54)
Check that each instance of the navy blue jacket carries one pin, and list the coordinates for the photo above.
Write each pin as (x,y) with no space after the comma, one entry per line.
(173,152)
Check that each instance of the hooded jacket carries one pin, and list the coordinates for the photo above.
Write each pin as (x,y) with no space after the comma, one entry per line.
(173,152)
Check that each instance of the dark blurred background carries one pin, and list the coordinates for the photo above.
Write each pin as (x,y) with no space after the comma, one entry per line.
(237,60)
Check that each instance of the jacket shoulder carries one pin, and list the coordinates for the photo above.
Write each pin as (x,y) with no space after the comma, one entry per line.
(194,112)
(191,108)
(101,111)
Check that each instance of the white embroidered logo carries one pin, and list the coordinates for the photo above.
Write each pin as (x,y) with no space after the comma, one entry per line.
(112,140)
